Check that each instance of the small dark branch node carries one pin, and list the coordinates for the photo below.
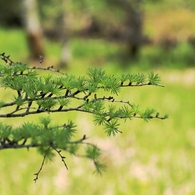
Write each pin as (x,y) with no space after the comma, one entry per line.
(60,108)
(23,143)
(84,137)
(66,94)
(29,105)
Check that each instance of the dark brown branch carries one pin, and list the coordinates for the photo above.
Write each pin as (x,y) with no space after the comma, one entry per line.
(62,157)
(41,167)
(16,146)
(140,85)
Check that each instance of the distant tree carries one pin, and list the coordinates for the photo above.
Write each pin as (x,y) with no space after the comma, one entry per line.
(65,28)
(134,24)
(56,20)
(131,24)
(118,19)
(32,26)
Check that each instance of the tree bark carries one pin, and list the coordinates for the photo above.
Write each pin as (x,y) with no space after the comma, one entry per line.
(134,23)
(33,28)
(64,27)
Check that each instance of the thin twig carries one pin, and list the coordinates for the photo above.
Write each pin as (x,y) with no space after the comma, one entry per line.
(41,167)
(62,157)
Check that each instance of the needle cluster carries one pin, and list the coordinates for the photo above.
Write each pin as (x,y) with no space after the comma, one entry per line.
(34,94)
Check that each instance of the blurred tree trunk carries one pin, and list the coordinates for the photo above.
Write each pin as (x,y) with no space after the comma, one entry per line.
(33,28)
(64,24)
(134,24)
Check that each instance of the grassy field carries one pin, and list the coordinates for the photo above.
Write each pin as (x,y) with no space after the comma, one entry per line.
(147,158)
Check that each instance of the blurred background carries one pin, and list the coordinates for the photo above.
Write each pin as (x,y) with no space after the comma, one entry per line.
(119,36)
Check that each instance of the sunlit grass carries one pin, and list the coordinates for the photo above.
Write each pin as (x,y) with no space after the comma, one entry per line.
(147,158)
(13,43)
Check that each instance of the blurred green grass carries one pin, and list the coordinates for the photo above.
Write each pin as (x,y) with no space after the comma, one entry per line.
(147,158)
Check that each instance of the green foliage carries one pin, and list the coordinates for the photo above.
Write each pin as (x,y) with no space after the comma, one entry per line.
(35,94)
